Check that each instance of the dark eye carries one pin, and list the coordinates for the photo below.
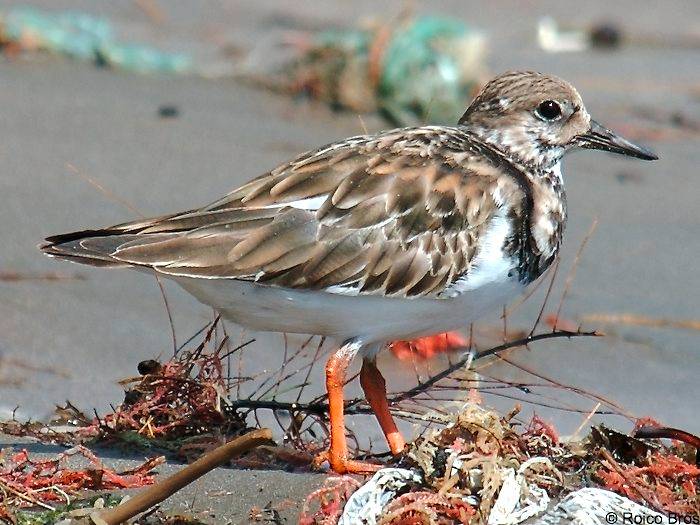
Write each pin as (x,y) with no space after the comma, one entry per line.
(549,110)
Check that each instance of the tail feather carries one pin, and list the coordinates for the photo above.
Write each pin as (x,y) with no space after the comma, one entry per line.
(97,247)
(72,247)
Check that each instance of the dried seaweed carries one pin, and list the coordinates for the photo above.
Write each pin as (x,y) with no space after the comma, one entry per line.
(27,482)
(483,466)
(427,507)
(328,501)
(180,405)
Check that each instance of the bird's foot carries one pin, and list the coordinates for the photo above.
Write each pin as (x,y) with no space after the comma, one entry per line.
(341,465)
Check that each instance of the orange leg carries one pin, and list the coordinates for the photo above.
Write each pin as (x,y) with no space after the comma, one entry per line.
(427,347)
(374,387)
(336,371)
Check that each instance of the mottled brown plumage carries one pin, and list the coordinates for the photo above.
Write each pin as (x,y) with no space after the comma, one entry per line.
(401,213)
(402,234)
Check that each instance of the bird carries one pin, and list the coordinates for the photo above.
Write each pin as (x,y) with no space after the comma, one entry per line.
(379,237)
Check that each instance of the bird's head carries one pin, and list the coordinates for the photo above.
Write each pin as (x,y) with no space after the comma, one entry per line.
(536,118)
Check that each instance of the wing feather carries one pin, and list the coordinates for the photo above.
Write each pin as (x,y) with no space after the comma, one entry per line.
(399,213)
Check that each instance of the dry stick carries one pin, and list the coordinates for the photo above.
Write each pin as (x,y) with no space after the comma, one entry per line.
(240,367)
(311,367)
(107,193)
(531,289)
(279,371)
(687,324)
(362,123)
(495,350)
(543,399)
(193,337)
(166,488)
(167,311)
(555,270)
(611,463)
(241,346)
(585,421)
(7,276)
(319,409)
(595,397)
(572,272)
(282,369)
(198,351)
(353,406)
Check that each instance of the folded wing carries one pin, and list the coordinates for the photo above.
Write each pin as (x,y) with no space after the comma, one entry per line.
(398,214)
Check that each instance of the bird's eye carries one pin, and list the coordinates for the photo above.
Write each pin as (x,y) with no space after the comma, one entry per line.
(549,110)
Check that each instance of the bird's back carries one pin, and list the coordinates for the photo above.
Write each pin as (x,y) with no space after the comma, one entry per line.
(404,213)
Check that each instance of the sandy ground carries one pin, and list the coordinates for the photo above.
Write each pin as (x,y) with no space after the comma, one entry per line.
(73,339)
(223,495)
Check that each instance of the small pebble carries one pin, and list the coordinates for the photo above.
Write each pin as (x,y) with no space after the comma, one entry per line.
(605,36)
(168,111)
(149,366)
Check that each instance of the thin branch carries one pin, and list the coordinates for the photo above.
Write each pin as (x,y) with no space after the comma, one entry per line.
(572,272)
(555,270)
(422,387)
(362,124)
(167,310)
(594,397)
(611,463)
(640,320)
(311,366)
(166,488)
(107,193)
(585,421)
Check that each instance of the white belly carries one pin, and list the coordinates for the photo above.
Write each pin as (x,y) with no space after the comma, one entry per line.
(370,319)
(490,283)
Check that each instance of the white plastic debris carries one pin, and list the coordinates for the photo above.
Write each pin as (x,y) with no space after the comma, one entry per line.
(517,499)
(592,506)
(554,40)
(366,504)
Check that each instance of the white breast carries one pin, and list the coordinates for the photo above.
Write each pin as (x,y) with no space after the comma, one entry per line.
(491,267)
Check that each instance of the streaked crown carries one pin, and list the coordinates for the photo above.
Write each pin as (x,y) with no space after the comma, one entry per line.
(533,117)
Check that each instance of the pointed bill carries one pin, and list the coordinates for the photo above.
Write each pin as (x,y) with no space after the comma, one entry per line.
(600,137)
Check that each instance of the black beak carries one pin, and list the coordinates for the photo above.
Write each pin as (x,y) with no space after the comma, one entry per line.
(599,137)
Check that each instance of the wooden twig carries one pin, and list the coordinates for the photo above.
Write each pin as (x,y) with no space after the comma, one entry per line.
(548,293)
(572,271)
(610,462)
(319,408)
(422,387)
(104,191)
(669,433)
(595,397)
(640,320)
(8,276)
(26,497)
(166,488)
(585,421)
(167,311)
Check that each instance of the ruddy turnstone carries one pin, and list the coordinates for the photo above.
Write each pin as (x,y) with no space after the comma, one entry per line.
(396,235)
